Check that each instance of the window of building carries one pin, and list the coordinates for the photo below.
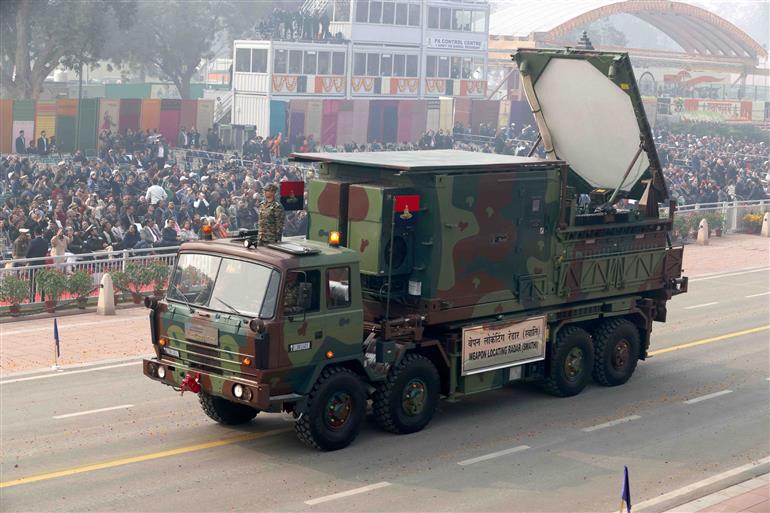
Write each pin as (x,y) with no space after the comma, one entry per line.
(445,19)
(386,65)
(324,63)
(433,16)
(359,64)
(372,64)
(399,65)
(479,20)
(375,12)
(295,62)
(466,69)
(338,287)
(401,14)
(461,20)
(456,67)
(414,15)
(338,63)
(242,60)
(388,13)
(411,66)
(309,66)
(341,10)
(477,71)
(259,60)
(280,61)
(431,66)
(362,11)
(443,67)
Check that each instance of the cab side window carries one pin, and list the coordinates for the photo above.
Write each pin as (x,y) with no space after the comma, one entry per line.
(302,288)
(338,287)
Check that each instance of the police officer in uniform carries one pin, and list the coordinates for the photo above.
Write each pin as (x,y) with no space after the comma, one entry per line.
(271,217)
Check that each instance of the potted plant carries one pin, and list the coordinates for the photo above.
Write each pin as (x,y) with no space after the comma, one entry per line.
(137,279)
(80,285)
(158,271)
(752,222)
(52,283)
(14,290)
(119,284)
(716,222)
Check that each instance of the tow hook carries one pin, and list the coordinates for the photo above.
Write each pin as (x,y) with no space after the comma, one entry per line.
(193,384)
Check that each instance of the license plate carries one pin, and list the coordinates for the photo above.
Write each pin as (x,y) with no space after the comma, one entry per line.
(201,333)
(171,352)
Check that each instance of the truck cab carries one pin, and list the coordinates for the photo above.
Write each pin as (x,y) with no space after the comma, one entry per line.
(253,325)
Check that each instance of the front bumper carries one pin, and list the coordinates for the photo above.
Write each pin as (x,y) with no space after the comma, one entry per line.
(257,394)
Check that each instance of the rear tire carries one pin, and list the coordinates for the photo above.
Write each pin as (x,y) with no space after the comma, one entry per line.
(616,343)
(571,362)
(226,412)
(336,410)
(406,400)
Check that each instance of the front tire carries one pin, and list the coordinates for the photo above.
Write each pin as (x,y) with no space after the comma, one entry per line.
(616,343)
(336,410)
(571,363)
(406,400)
(226,412)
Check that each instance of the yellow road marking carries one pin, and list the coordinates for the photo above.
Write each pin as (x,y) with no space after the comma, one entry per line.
(709,340)
(145,457)
(254,436)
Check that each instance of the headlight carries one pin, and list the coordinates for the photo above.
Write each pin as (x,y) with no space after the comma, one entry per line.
(238,391)
(161,372)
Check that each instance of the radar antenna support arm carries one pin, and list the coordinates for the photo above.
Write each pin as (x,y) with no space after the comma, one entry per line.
(608,206)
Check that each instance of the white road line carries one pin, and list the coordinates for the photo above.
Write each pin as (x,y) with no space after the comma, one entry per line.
(707,396)
(728,274)
(492,455)
(612,423)
(700,484)
(700,306)
(68,373)
(760,294)
(342,495)
(89,412)
(64,325)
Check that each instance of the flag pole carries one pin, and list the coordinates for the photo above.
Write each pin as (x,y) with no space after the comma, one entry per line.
(55,345)
(621,505)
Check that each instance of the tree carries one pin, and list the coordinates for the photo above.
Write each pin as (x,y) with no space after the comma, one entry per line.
(36,36)
(172,39)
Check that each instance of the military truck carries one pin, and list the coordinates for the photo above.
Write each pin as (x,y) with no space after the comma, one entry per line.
(439,273)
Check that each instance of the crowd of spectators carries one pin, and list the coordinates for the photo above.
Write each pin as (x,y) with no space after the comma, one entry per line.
(135,196)
(89,205)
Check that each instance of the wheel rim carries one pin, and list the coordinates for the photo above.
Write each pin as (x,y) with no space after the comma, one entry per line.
(338,409)
(415,396)
(620,354)
(573,364)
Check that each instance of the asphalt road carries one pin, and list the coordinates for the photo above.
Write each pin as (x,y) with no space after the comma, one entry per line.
(689,412)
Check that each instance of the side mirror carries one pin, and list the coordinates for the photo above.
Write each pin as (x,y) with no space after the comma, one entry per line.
(305,296)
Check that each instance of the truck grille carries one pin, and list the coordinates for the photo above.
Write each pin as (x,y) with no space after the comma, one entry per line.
(207,358)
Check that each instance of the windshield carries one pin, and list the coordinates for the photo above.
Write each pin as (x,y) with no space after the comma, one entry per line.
(224,284)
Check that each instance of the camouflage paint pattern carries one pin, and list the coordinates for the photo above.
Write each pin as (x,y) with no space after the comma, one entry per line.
(495,238)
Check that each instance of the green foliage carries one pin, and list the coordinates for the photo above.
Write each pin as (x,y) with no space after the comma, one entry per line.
(80,284)
(39,35)
(14,290)
(158,271)
(715,219)
(138,277)
(51,282)
(119,280)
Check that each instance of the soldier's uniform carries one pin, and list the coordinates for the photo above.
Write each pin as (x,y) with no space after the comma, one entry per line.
(271,217)
(291,295)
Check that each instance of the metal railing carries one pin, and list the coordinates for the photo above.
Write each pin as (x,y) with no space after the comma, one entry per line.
(95,264)
(732,212)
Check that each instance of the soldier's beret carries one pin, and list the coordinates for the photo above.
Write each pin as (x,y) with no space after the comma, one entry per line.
(271,187)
